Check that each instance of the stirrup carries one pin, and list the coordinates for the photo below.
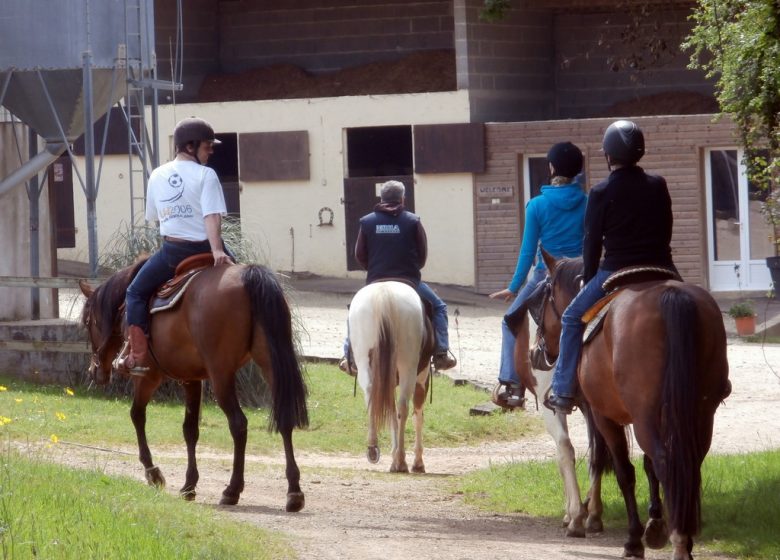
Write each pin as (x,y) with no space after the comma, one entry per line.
(120,362)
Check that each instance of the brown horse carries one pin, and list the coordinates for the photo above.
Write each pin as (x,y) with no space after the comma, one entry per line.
(227,315)
(659,363)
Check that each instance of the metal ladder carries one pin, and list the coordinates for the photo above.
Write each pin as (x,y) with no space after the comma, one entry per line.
(139,153)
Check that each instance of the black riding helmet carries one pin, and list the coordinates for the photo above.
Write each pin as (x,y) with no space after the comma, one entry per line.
(566,159)
(624,142)
(192,129)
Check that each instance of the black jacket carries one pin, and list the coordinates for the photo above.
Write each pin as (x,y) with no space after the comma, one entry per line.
(391,243)
(629,215)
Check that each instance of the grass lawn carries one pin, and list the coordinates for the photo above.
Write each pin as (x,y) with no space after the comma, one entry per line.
(53,512)
(740,498)
(337,419)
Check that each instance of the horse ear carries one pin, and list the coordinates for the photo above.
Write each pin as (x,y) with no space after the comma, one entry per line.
(549,260)
(86,289)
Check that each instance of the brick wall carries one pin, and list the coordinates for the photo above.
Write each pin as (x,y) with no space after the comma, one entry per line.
(674,149)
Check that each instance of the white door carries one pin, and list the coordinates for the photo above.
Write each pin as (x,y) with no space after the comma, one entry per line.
(737,240)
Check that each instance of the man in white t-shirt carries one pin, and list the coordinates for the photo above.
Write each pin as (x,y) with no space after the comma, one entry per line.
(186,198)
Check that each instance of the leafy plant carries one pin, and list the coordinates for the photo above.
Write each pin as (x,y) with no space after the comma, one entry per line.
(737,42)
(742,309)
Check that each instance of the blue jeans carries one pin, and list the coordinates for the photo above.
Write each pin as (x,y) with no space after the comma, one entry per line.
(160,268)
(439,319)
(564,381)
(506,370)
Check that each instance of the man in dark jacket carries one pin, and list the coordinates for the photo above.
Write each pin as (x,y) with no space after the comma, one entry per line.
(392,244)
(629,216)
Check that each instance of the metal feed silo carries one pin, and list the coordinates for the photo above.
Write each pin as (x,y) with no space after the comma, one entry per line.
(64,64)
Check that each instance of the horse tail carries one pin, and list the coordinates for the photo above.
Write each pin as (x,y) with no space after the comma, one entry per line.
(681,466)
(271,312)
(382,397)
(600,459)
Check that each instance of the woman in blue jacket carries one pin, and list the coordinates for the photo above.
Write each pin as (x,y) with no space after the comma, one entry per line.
(553,220)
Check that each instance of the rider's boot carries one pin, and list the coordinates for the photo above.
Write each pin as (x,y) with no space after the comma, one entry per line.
(134,355)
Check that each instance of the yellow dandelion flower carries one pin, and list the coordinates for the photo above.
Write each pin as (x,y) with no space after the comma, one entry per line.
(2,388)
(61,416)
(54,438)
(4,420)
(18,400)
(69,391)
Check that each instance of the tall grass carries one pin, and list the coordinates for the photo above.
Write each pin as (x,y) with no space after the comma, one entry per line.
(52,512)
(337,419)
(740,498)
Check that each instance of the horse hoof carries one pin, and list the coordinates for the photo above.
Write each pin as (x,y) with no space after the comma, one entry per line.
(228,500)
(575,533)
(637,551)
(404,468)
(295,501)
(373,454)
(656,533)
(594,525)
(154,477)
(419,469)
(188,495)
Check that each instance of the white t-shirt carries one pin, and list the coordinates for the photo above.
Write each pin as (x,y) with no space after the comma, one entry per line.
(180,194)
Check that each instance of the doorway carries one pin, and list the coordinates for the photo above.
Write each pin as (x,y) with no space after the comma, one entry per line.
(374,155)
(737,240)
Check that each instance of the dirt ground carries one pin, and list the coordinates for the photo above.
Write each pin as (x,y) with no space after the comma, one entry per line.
(357,510)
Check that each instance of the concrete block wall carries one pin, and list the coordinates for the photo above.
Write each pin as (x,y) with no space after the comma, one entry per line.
(587,44)
(675,150)
(510,63)
(316,35)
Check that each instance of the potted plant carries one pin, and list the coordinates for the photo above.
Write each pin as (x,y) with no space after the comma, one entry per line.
(744,317)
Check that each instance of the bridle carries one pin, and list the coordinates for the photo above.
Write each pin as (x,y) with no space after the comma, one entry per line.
(548,298)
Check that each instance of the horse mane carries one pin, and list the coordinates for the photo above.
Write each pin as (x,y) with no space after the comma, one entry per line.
(568,273)
(107,300)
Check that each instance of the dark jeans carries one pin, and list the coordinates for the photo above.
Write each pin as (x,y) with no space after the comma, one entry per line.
(160,268)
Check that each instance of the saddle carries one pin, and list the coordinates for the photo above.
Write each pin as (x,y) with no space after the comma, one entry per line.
(169,294)
(613,285)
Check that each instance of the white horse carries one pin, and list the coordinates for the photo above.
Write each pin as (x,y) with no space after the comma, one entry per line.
(579,517)
(392,342)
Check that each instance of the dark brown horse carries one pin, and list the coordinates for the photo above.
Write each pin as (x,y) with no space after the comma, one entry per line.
(228,315)
(659,363)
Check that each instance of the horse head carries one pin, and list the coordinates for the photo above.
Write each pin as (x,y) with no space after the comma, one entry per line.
(101,317)
(547,303)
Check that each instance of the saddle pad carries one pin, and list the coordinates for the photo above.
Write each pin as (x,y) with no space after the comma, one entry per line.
(168,296)
(596,315)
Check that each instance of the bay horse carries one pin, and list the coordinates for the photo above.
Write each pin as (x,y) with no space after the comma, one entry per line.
(658,362)
(392,342)
(227,315)
(536,376)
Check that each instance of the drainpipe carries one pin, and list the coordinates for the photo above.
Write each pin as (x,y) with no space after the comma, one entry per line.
(32,167)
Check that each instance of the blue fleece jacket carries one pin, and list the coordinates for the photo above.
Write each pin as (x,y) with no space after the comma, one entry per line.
(553,220)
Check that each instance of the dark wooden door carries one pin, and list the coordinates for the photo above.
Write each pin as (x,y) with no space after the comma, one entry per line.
(360,197)
(60,176)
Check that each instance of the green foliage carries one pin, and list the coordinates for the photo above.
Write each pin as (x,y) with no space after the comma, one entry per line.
(742,309)
(50,511)
(494,10)
(737,43)
(739,498)
(337,419)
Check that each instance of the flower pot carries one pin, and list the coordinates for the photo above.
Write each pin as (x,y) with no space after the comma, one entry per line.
(773,263)
(745,325)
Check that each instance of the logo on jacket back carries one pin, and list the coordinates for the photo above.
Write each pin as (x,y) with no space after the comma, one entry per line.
(387,228)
